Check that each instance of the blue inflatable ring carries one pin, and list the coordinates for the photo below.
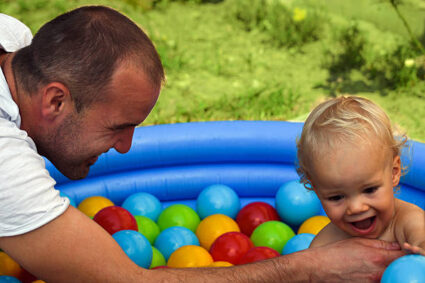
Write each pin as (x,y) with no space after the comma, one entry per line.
(175,162)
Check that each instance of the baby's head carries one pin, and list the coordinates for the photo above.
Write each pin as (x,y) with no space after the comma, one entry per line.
(346,121)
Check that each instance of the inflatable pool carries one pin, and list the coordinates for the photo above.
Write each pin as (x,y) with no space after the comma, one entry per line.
(175,162)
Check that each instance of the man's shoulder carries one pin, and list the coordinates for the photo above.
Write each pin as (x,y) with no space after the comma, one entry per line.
(14,34)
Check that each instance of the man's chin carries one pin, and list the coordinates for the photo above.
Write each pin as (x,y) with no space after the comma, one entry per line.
(76,173)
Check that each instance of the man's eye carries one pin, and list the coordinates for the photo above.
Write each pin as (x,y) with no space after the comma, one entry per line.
(335,198)
(370,190)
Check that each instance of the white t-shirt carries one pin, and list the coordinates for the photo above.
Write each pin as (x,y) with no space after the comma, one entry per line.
(28,199)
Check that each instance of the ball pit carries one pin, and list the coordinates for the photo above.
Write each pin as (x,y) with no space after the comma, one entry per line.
(176,162)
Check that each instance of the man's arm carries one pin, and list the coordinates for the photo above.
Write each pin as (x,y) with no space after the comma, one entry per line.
(74,248)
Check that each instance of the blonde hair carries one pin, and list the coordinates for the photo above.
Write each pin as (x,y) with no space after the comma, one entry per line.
(344,119)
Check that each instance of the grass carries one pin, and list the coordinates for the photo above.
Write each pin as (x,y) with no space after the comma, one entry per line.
(218,70)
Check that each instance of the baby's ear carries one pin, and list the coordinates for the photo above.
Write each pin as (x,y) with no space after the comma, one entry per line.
(396,170)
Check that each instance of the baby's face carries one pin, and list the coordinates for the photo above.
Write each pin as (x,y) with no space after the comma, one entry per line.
(355,185)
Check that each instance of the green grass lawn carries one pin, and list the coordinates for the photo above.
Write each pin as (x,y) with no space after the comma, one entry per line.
(217,70)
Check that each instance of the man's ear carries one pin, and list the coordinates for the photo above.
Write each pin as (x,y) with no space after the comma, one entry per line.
(56,100)
(396,170)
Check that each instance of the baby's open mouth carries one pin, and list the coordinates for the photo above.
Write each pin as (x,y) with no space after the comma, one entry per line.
(364,224)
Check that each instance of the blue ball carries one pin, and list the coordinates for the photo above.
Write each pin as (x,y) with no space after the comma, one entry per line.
(218,199)
(173,238)
(406,269)
(295,204)
(143,204)
(9,279)
(136,246)
(71,200)
(298,243)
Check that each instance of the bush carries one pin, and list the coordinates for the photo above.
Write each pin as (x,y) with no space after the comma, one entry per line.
(285,25)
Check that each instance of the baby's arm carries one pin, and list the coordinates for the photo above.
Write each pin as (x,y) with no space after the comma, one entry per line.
(328,235)
(412,236)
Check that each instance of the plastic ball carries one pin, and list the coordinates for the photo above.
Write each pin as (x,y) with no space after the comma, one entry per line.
(189,256)
(406,269)
(143,204)
(214,226)
(71,200)
(178,215)
(253,214)
(147,227)
(272,234)
(258,254)
(9,266)
(231,247)
(295,204)
(218,199)
(298,243)
(136,246)
(220,264)
(115,218)
(314,224)
(9,279)
(91,205)
(157,258)
(173,238)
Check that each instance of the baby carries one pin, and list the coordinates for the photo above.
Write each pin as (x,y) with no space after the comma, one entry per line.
(349,156)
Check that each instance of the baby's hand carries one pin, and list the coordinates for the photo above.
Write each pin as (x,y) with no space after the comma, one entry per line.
(413,249)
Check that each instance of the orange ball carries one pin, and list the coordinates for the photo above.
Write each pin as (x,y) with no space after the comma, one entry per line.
(213,227)
(190,256)
(92,205)
(314,224)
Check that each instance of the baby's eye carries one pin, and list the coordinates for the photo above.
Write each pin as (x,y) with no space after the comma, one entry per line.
(370,190)
(335,198)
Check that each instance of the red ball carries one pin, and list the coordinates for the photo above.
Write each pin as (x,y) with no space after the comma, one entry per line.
(258,254)
(231,247)
(160,267)
(115,218)
(254,214)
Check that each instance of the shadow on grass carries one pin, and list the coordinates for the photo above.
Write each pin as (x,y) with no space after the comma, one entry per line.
(343,84)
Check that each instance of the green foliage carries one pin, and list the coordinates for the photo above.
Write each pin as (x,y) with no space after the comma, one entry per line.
(347,52)
(397,69)
(285,25)
(228,60)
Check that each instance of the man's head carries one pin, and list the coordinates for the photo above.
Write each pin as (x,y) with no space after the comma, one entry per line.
(89,77)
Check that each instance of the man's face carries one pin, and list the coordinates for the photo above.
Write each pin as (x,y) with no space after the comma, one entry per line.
(78,141)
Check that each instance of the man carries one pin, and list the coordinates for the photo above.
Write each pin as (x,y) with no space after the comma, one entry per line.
(88,78)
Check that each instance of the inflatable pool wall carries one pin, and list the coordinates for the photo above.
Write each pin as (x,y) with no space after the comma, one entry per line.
(175,162)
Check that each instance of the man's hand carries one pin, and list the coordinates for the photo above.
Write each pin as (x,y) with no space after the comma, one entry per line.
(353,260)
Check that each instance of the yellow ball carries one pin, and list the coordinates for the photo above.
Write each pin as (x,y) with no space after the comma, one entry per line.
(38,281)
(314,224)
(91,205)
(220,264)
(213,227)
(190,256)
(8,266)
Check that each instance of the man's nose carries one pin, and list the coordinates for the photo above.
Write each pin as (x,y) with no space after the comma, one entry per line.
(123,144)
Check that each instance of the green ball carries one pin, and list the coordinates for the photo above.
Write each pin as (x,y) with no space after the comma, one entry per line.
(147,227)
(272,234)
(157,258)
(178,215)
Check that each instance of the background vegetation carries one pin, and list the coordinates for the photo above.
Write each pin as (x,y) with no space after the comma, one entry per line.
(273,59)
